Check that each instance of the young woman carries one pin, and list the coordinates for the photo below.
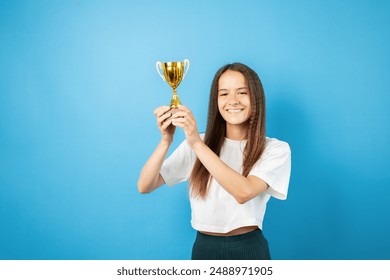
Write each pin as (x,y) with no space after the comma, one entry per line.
(233,169)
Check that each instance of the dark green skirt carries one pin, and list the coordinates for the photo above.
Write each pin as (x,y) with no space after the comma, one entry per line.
(247,246)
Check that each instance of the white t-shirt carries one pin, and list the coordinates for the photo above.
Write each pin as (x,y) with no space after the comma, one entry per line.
(219,212)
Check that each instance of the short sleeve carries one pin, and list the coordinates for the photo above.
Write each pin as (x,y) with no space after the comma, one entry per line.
(274,167)
(178,166)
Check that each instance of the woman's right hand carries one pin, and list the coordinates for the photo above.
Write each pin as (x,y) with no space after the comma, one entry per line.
(164,123)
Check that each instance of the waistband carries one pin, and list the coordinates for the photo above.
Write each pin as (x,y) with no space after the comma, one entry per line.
(212,239)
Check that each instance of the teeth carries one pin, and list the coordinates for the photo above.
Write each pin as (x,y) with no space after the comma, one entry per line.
(235,110)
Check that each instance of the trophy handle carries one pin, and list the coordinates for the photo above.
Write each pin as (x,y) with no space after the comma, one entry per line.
(186,63)
(158,67)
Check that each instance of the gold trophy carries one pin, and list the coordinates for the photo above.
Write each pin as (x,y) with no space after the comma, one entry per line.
(173,73)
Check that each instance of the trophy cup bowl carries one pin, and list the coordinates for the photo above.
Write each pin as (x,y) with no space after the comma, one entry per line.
(173,73)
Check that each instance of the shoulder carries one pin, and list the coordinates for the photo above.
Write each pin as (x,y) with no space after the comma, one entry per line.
(275,148)
(272,144)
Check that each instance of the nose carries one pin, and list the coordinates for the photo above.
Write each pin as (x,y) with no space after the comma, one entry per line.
(234,101)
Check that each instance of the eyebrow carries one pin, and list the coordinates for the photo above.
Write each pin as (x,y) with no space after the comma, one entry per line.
(236,89)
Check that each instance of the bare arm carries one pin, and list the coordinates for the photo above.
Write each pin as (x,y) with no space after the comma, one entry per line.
(150,178)
(240,187)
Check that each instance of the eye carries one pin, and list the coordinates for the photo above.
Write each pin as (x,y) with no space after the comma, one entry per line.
(223,94)
(242,92)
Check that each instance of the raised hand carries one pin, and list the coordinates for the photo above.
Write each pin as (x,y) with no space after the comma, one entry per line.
(186,120)
(164,123)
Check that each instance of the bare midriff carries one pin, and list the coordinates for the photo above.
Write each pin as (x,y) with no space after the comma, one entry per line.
(236,231)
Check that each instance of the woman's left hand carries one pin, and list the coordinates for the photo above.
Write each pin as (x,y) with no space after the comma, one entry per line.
(187,122)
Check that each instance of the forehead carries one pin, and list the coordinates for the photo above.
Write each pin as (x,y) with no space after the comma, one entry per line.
(232,80)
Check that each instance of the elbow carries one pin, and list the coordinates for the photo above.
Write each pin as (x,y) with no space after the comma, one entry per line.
(242,200)
(142,191)
(244,197)
(249,192)
(142,188)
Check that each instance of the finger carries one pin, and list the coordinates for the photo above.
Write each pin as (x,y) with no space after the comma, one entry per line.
(161,111)
(157,110)
(179,114)
(183,123)
(183,114)
(164,117)
(185,109)
(178,120)
(186,118)
(160,108)
(178,124)
(163,114)
(166,124)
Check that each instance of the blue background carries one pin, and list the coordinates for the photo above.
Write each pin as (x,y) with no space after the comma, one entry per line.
(78,86)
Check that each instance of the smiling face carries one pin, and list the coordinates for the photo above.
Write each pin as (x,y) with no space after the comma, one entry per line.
(234,103)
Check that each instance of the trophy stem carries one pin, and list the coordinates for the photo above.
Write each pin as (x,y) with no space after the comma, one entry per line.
(175,101)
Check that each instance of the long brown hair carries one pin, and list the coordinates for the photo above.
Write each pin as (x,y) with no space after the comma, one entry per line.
(216,128)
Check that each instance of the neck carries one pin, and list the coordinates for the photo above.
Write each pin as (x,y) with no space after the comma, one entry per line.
(236,132)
